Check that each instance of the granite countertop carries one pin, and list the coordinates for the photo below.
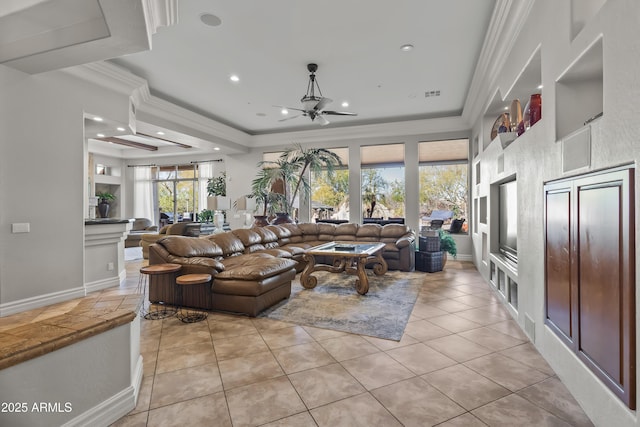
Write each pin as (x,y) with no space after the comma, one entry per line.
(33,333)
(99,221)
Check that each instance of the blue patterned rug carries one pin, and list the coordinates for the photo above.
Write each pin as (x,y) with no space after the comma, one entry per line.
(334,304)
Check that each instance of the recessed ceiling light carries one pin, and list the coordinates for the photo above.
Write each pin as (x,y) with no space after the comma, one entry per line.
(121,129)
(100,135)
(97,119)
(234,78)
(406,47)
(540,86)
(284,111)
(506,108)
(210,19)
(345,104)
(216,148)
(159,133)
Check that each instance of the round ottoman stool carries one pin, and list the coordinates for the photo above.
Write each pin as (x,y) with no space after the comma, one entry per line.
(185,314)
(156,311)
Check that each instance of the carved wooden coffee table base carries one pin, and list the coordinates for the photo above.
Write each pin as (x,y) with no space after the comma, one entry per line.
(348,257)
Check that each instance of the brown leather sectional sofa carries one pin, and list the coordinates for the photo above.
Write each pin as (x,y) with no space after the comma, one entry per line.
(252,269)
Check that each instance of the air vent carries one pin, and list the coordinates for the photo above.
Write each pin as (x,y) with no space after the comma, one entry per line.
(431,93)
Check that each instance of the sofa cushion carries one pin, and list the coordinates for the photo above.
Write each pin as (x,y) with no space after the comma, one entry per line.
(230,244)
(369,233)
(141,224)
(296,232)
(251,240)
(345,232)
(183,246)
(394,230)
(268,236)
(254,267)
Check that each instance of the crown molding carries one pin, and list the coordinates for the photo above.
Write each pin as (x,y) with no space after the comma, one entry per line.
(508,19)
(160,13)
(393,129)
(109,76)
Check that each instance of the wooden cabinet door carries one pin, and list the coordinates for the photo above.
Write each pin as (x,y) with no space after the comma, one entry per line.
(590,273)
(560,289)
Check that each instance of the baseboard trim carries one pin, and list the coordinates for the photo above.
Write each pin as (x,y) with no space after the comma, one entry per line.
(98,285)
(114,408)
(19,306)
(465,257)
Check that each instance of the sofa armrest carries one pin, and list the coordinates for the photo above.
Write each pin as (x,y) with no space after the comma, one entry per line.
(406,240)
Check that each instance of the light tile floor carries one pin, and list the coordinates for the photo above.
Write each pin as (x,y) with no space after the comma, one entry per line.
(462,361)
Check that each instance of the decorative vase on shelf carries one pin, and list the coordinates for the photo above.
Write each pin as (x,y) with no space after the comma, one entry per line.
(515,115)
(103,209)
(535,108)
(524,123)
(282,218)
(260,220)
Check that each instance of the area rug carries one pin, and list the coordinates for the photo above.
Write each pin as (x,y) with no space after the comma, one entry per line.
(334,304)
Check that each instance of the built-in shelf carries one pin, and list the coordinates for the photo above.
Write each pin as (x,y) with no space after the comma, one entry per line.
(503,276)
(579,92)
(475,215)
(527,83)
(483,210)
(582,11)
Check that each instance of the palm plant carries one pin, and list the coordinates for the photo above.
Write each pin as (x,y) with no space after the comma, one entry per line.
(290,172)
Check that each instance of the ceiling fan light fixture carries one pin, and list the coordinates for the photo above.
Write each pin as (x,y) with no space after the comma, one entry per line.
(234,78)
(345,104)
(284,111)
(406,47)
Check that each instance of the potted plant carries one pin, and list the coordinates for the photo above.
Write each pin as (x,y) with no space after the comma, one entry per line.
(447,245)
(217,186)
(265,199)
(206,215)
(287,176)
(104,202)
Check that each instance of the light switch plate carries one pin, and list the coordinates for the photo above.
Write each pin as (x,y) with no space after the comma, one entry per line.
(20,227)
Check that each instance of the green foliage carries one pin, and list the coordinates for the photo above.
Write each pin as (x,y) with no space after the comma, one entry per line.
(105,197)
(444,187)
(330,191)
(206,215)
(373,190)
(290,173)
(447,244)
(217,186)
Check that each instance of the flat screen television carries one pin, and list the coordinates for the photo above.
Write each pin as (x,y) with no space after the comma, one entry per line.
(509,220)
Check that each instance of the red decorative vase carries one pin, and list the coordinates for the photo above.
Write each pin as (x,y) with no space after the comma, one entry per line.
(282,218)
(535,108)
(260,220)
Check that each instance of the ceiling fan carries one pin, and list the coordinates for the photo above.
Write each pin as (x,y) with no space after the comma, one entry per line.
(313,105)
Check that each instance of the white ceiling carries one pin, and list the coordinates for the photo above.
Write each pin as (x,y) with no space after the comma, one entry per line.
(355,43)
(268,44)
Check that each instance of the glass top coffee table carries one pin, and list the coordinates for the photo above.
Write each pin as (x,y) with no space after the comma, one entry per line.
(350,257)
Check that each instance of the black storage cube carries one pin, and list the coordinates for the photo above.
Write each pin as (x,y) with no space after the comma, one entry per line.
(429,262)
(429,244)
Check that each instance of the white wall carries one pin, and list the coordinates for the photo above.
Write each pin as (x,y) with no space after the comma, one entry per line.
(536,157)
(42,182)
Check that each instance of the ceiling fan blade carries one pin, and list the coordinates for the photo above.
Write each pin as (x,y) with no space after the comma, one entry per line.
(340,113)
(288,108)
(323,103)
(322,120)
(289,118)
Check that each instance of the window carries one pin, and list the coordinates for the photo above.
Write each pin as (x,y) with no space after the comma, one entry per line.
(330,194)
(443,182)
(382,178)
(177,192)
